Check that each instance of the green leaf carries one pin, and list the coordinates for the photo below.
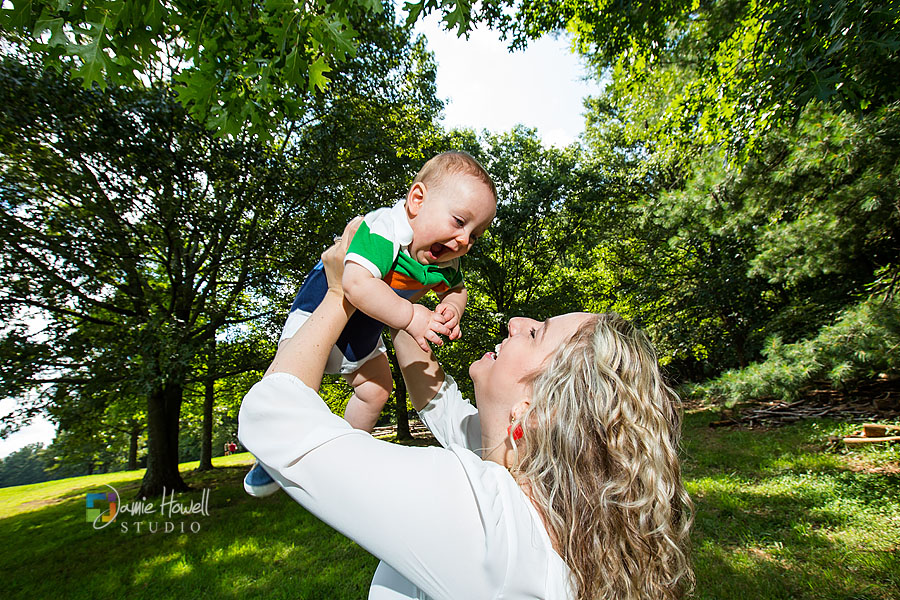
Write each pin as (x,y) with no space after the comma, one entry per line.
(198,90)
(91,71)
(20,17)
(344,38)
(294,66)
(55,27)
(94,60)
(317,72)
(414,10)
(154,15)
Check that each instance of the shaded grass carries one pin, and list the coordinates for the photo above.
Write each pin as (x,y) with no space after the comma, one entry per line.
(780,514)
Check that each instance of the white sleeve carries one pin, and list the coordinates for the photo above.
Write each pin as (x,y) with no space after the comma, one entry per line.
(413,508)
(452,419)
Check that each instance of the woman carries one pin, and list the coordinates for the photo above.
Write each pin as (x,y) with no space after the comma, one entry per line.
(563,483)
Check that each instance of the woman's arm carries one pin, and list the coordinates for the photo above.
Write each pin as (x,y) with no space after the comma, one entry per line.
(305,354)
(421,371)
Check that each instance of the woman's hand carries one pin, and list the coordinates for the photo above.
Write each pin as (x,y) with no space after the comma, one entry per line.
(333,257)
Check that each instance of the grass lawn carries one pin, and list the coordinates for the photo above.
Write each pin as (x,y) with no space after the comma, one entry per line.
(780,514)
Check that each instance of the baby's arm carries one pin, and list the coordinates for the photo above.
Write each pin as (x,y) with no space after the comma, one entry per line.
(375,298)
(451,308)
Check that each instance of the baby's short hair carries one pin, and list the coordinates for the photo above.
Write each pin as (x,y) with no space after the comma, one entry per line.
(454,162)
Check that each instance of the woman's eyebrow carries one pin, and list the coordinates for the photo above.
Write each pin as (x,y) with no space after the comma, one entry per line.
(544,328)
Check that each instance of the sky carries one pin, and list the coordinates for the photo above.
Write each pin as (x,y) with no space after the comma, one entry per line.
(484,86)
(488,87)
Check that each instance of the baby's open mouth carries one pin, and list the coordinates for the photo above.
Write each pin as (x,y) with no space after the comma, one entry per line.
(437,250)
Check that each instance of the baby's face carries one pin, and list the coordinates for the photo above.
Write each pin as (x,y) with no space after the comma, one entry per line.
(450,217)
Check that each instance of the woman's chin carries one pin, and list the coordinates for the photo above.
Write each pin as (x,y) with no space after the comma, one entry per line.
(476,369)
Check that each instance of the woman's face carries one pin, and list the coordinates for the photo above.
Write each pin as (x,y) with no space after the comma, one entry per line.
(502,374)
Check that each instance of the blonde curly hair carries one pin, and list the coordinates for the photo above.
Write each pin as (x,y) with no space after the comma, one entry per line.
(600,460)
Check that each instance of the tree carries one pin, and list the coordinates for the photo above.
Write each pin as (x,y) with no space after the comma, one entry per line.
(140,236)
(715,257)
(238,64)
(25,465)
(113,233)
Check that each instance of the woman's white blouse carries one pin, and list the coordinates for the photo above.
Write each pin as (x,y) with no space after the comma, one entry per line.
(445,524)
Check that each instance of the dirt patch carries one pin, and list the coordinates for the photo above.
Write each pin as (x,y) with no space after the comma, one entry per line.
(421,436)
(35,504)
(858,464)
(875,400)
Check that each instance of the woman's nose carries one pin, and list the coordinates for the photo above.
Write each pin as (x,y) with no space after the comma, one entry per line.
(519,324)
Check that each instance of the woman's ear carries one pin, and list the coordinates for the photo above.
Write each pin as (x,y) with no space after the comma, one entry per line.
(415,198)
(519,409)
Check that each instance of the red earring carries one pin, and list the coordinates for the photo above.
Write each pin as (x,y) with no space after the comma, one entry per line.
(517,434)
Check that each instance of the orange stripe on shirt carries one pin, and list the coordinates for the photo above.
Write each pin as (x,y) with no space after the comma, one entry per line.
(399,281)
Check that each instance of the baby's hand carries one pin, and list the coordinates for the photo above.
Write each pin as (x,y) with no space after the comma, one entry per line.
(424,327)
(449,316)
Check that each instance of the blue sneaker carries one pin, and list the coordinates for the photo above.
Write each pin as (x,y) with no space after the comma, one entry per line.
(258,483)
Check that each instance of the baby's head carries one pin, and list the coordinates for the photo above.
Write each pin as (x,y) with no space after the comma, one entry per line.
(451,203)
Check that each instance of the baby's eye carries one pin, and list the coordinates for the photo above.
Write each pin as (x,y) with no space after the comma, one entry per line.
(532,332)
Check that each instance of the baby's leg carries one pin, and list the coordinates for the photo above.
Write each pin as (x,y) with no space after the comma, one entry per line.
(372,384)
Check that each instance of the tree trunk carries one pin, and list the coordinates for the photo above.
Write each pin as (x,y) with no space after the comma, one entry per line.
(739,341)
(163,414)
(399,397)
(209,384)
(133,445)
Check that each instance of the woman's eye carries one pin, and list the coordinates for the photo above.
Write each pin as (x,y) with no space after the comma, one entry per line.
(459,222)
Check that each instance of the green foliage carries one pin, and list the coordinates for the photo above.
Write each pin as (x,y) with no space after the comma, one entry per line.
(752,65)
(823,198)
(863,343)
(714,258)
(239,66)
(238,61)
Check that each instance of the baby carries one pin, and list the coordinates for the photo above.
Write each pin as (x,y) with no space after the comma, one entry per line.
(397,256)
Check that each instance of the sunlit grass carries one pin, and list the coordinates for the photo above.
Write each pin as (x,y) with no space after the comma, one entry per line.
(24,498)
(785,513)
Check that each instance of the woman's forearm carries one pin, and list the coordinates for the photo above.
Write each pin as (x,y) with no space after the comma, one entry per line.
(421,371)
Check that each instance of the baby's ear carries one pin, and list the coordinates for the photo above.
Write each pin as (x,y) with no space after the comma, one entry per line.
(415,198)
